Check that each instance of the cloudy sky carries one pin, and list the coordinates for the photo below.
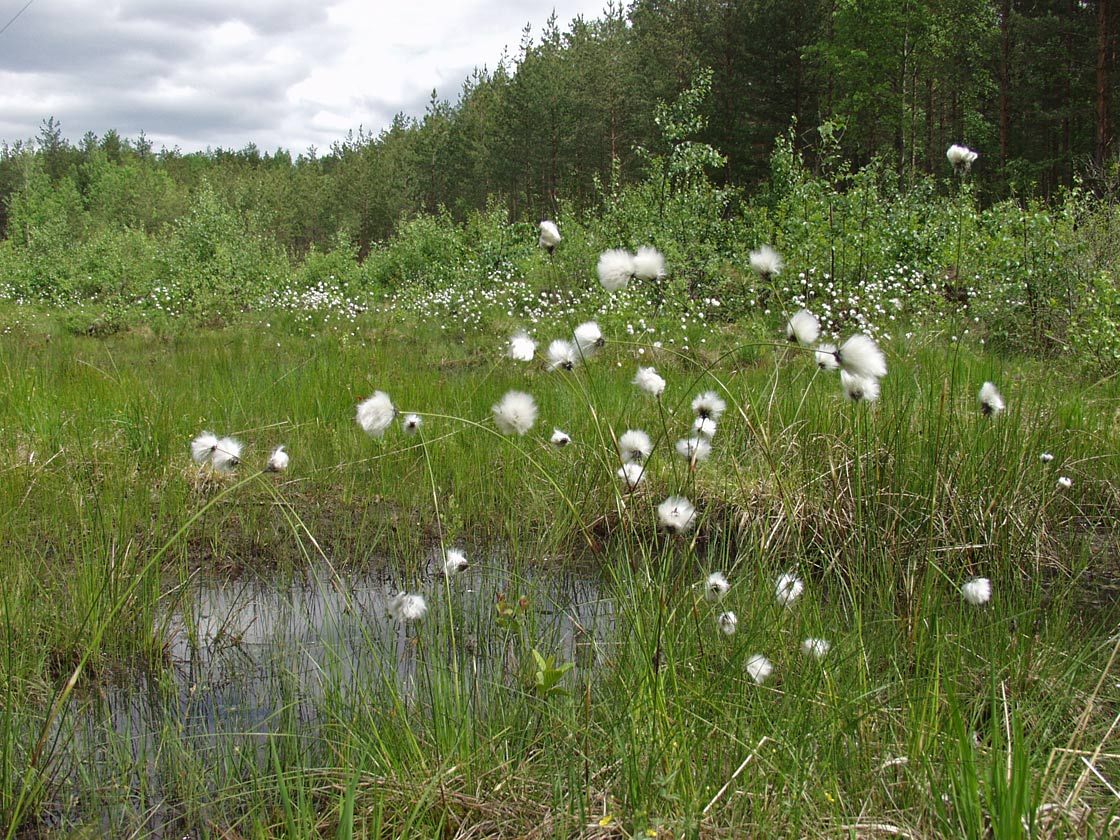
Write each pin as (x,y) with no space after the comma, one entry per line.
(277,73)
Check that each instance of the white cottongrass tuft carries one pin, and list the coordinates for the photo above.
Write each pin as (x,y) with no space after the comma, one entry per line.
(550,236)
(826,357)
(705,427)
(634,446)
(861,356)
(728,623)
(766,262)
(227,454)
(562,355)
(411,423)
(676,514)
(859,388)
(515,414)
(716,587)
(1065,482)
(803,327)
(788,589)
(632,474)
(454,562)
(406,608)
(202,447)
(376,414)
(709,405)
(759,668)
(278,460)
(991,403)
(521,347)
(589,338)
(1046,457)
(816,648)
(694,449)
(559,438)
(649,264)
(977,591)
(961,157)
(616,269)
(650,381)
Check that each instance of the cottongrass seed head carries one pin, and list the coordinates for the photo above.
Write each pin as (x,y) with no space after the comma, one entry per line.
(650,381)
(278,460)
(991,402)
(759,668)
(716,587)
(632,475)
(709,405)
(816,648)
(705,427)
(615,269)
(649,264)
(550,236)
(826,357)
(961,157)
(676,514)
(454,562)
(521,347)
(1046,457)
(406,608)
(559,438)
(634,446)
(1065,482)
(859,388)
(977,591)
(376,414)
(861,356)
(562,355)
(411,423)
(728,623)
(766,262)
(589,339)
(803,328)
(227,454)
(515,414)
(694,449)
(202,447)
(788,589)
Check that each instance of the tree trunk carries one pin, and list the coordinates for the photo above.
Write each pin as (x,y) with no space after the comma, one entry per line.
(1104,91)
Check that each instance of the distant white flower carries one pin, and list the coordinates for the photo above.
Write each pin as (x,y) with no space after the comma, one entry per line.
(202,447)
(515,414)
(521,347)
(560,439)
(676,514)
(227,454)
(789,589)
(961,157)
(716,587)
(376,414)
(1065,482)
(649,381)
(615,268)
(816,648)
(860,355)
(589,338)
(826,357)
(759,668)
(632,474)
(694,449)
(766,262)
(406,608)
(562,355)
(977,591)
(1046,457)
(709,405)
(278,460)
(634,446)
(411,423)
(859,388)
(991,403)
(803,327)
(649,264)
(454,562)
(728,623)
(705,427)
(550,236)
